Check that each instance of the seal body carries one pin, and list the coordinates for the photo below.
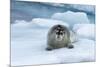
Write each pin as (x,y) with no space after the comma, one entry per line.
(58,37)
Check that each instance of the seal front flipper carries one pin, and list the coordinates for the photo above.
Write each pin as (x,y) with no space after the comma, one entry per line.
(70,46)
(49,48)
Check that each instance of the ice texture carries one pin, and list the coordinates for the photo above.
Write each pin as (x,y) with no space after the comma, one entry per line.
(72,17)
(29,41)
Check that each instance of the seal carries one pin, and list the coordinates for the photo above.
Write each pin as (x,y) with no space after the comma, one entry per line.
(58,37)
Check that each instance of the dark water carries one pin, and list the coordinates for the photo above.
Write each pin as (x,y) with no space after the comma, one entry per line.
(21,10)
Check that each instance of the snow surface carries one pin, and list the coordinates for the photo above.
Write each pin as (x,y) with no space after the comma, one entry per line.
(85,30)
(28,40)
(48,22)
(72,17)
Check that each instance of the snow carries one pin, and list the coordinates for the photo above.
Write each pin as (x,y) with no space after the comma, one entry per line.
(48,22)
(72,17)
(85,30)
(28,42)
(40,22)
(73,36)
